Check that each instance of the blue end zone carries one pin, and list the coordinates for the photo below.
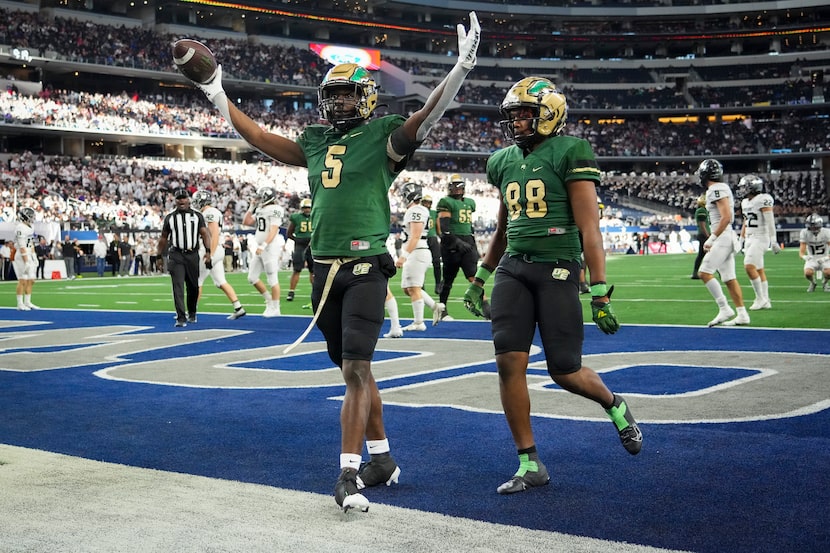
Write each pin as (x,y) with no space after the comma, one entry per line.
(751,486)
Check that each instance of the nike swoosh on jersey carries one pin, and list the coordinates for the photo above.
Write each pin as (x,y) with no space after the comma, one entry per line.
(536,169)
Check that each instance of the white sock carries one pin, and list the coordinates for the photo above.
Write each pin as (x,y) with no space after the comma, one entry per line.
(350,461)
(742,311)
(765,288)
(19,299)
(418,311)
(756,286)
(377,446)
(237,304)
(267,297)
(392,308)
(27,299)
(714,288)
(428,301)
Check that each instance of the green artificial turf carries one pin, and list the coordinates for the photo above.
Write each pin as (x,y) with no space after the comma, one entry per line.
(652,289)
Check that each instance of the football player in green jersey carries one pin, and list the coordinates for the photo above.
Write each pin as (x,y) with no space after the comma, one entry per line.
(299,230)
(547,187)
(702,220)
(433,243)
(458,245)
(351,163)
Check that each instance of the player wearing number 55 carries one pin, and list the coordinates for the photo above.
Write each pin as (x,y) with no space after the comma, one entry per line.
(351,163)
(547,187)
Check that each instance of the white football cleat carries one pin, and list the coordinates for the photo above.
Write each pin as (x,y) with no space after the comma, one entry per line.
(723,315)
(30,305)
(271,311)
(420,327)
(438,312)
(394,333)
(760,304)
(22,307)
(740,320)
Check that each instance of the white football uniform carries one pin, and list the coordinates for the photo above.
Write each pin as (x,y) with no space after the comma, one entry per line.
(420,259)
(721,257)
(818,249)
(757,239)
(268,260)
(24,242)
(217,271)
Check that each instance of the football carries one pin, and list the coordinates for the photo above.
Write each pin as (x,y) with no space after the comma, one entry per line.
(194,60)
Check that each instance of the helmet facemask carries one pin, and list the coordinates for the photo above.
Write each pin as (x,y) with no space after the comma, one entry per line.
(537,101)
(342,85)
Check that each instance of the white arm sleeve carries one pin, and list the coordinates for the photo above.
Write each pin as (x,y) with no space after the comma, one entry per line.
(769,221)
(442,96)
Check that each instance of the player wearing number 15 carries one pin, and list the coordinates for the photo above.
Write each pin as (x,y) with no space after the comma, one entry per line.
(547,187)
(352,162)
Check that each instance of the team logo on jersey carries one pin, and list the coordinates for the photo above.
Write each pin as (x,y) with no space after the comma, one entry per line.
(560,274)
(361,269)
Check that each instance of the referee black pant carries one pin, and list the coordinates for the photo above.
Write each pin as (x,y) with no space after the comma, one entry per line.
(184,272)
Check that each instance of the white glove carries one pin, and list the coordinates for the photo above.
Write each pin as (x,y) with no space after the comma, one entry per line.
(468,42)
(216,94)
(807,257)
(213,87)
(738,244)
(776,249)
(709,242)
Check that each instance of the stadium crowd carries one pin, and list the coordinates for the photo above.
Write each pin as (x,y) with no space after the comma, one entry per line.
(125,113)
(137,47)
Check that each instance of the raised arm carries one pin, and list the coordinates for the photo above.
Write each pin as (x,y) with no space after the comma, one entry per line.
(409,136)
(273,145)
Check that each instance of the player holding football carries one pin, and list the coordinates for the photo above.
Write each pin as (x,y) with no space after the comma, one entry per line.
(547,187)
(814,249)
(266,216)
(721,246)
(351,163)
(299,231)
(204,202)
(758,234)
(415,258)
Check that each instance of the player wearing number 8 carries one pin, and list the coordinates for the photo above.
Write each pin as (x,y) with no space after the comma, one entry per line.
(352,162)
(547,187)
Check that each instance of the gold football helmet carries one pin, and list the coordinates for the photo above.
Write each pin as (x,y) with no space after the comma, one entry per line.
(549,106)
(365,96)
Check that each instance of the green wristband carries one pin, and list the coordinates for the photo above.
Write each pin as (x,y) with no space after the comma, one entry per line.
(483,274)
(599,290)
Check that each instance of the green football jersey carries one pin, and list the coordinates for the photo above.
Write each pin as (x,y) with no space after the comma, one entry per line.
(431,230)
(540,221)
(702,216)
(349,178)
(302,225)
(461,214)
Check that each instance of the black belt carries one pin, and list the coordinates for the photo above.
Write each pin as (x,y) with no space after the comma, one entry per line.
(180,250)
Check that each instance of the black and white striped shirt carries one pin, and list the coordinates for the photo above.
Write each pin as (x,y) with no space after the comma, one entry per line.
(183,228)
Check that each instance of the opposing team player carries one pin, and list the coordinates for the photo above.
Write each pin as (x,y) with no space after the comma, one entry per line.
(415,258)
(25,260)
(814,249)
(758,235)
(204,202)
(547,191)
(299,231)
(352,162)
(721,246)
(266,215)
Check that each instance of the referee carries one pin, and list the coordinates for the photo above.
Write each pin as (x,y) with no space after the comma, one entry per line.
(182,229)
